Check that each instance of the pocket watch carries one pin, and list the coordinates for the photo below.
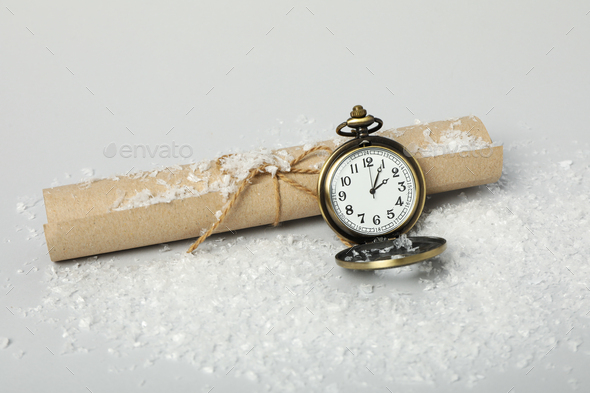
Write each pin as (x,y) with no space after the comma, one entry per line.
(371,191)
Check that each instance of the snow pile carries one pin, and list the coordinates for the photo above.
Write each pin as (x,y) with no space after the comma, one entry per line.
(451,141)
(234,169)
(276,310)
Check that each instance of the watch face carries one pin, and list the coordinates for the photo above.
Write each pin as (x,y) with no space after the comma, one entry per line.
(373,191)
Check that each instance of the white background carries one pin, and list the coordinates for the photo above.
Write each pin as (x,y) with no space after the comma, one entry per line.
(219,76)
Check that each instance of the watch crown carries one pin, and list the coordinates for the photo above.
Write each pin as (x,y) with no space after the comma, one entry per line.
(359,121)
(358,111)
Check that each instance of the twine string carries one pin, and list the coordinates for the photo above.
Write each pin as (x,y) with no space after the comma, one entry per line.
(279,175)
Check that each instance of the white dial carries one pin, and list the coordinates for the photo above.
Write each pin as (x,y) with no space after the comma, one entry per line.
(373,191)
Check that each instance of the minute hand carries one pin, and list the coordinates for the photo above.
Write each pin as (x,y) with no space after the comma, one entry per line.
(376,178)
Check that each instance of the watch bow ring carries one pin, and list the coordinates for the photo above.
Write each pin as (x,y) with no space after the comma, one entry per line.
(359,122)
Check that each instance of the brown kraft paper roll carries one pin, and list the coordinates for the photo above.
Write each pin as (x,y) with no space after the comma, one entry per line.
(82,220)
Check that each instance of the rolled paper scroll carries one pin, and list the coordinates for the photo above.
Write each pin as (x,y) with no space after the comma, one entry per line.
(182,202)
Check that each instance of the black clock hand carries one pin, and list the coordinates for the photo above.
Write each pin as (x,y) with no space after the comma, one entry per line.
(372,190)
(382,183)
(376,178)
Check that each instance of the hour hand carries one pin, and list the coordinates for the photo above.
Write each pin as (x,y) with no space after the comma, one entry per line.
(382,183)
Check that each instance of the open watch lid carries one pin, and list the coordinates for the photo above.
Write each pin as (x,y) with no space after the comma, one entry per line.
(390,253)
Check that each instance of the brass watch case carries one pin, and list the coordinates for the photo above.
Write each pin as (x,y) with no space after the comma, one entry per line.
(344,151)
